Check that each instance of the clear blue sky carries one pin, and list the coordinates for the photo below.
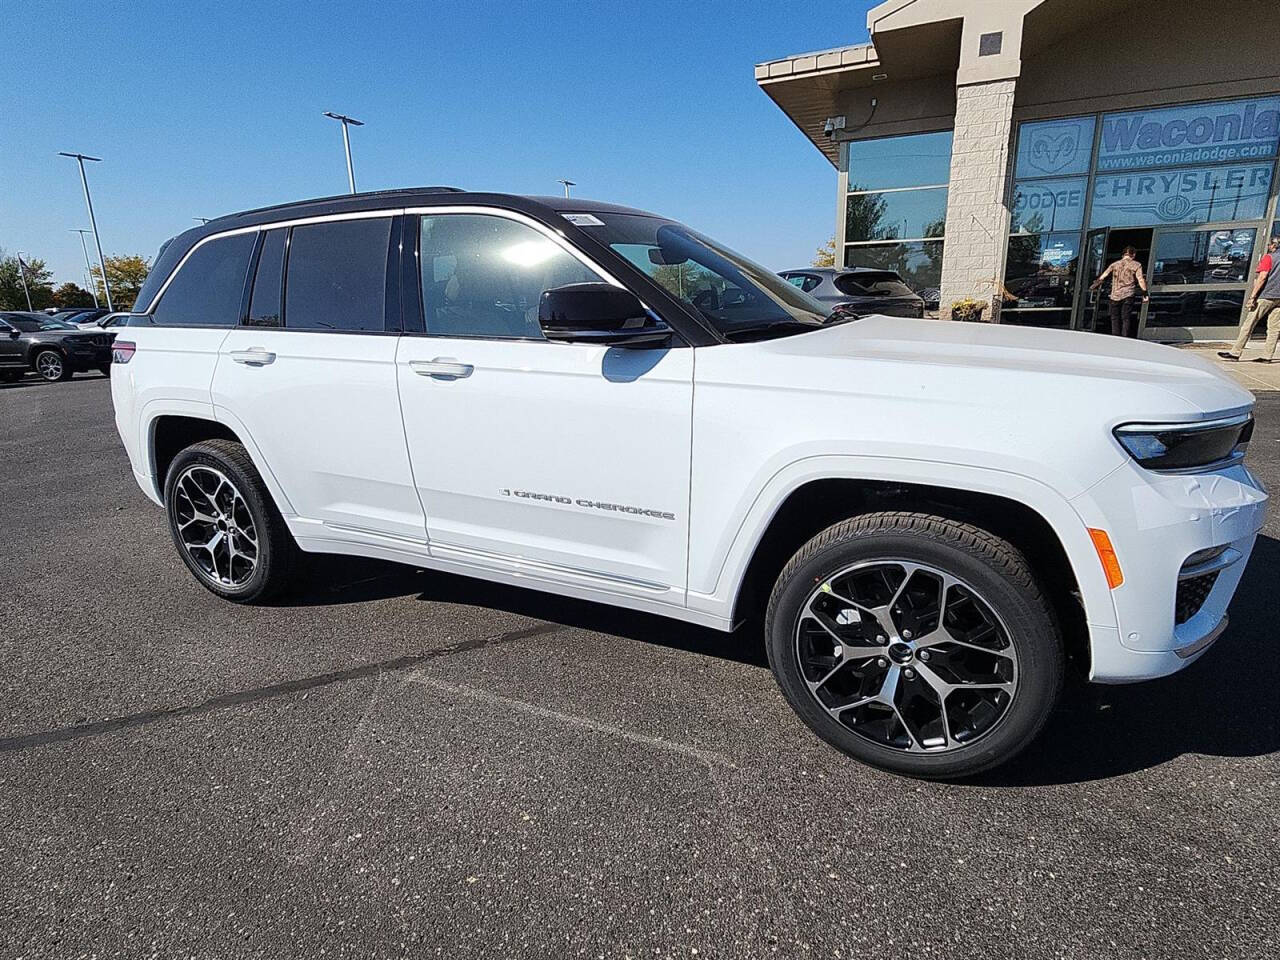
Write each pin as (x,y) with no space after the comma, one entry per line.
(207,108)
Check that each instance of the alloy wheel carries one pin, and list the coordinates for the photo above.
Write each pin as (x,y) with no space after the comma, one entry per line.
(906,656)
(215,526)
(49,365)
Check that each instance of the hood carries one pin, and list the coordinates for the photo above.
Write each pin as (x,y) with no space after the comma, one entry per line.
(1163,381)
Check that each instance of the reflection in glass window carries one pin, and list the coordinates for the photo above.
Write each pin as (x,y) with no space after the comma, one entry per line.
(264,305)
(904,215)
(208,289)
(1052,148)
(1195,195)
(1052,319)
(337,275)
(1043,206)
(918,160)
(919,263)
(1211,309)
(1203,256)
(483,276)
(1041,270)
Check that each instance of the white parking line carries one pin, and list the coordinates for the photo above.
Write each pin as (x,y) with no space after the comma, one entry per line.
(572,720)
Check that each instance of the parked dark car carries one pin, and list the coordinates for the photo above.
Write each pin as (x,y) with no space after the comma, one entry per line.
(52,348)
(861,290)
(83,315)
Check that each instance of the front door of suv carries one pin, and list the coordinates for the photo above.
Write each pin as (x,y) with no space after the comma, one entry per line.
(561,461)
(310,377)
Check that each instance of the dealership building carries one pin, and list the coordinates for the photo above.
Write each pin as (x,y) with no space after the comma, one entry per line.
(1007,150)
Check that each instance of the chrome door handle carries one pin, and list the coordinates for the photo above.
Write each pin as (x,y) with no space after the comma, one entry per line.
(441,368)
(253,357)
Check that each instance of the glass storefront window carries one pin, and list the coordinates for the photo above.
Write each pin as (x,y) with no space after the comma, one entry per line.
(918,160)
(1211,309)
(899,215)
(1049,205)
(919,263)
(1052,148)
(1041,270)
(1203,256)
(1053,319)
(1193,195)
(1193,133)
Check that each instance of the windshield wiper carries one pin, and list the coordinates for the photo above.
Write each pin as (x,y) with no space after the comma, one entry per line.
(773,328)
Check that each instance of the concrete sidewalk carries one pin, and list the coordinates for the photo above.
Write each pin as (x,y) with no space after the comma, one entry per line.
(1258,377)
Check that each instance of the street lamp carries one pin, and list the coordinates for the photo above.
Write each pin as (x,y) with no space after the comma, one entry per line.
(88,269)
(84,182)
(567,185)
(346,142)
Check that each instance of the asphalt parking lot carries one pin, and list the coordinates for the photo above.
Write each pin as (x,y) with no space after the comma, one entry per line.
(395,762)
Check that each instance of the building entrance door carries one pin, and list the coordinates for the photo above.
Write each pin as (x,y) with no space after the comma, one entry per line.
(1103,247)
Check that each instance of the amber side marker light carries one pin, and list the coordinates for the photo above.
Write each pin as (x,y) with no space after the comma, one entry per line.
(1107,556)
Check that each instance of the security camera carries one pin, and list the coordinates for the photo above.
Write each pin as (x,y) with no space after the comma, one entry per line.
(832,125)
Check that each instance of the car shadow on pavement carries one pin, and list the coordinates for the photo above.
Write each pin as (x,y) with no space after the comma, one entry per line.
(32,381)
(333,580)
(1225,704)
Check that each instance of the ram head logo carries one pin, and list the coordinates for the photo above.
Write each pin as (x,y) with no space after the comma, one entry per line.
(1053,148)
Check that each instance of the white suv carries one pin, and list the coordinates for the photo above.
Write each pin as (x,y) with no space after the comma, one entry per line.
(933,519)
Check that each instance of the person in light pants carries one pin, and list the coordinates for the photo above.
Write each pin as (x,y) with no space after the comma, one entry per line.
(1261,307)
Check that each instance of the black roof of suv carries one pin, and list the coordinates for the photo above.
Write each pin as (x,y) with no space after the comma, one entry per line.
(540,208)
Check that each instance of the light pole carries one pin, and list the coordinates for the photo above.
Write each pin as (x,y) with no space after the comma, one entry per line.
(88,269)
(22,275)
(567,185)
(346,142)
(84,182)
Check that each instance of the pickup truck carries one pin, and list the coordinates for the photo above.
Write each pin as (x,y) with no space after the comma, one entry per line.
(930,522)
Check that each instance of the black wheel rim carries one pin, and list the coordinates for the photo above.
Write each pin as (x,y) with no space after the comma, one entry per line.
(214,526)
(906,656)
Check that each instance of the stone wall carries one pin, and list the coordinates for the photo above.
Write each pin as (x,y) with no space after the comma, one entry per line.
(977,217)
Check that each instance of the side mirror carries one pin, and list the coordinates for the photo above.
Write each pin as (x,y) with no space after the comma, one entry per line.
(14,333)
(598,313)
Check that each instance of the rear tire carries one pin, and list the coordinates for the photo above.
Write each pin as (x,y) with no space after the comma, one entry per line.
(225,525)
(105,369)
(916,644)
(51,366)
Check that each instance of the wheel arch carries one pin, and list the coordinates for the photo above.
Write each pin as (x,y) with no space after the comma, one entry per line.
(169,432)
(39,346)
(811,506)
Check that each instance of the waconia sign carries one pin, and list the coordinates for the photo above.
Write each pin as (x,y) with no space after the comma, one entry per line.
(1191,134)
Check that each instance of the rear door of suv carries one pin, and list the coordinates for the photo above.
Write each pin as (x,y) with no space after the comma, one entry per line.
(310,376)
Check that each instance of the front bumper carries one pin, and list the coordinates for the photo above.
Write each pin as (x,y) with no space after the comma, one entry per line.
(1156,522)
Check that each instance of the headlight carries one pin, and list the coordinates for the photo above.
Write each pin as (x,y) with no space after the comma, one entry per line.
(1188,446)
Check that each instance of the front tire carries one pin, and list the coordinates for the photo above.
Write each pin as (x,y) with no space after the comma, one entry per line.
(51,366)
(916,644)
(225,525)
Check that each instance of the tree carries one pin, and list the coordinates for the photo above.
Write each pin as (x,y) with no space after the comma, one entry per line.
(72,295)
(39,283)
(126,275)
(825,256)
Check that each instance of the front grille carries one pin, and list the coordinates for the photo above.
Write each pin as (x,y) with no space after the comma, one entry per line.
(1192,594)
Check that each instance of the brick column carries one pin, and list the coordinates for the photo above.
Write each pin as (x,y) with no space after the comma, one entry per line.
(977,218)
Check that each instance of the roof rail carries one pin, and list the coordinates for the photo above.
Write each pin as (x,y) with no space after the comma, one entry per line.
(340,196)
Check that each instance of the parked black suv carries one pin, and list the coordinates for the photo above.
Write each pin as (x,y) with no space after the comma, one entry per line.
(52,348)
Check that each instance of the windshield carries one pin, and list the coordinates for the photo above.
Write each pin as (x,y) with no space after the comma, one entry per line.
(868,283)
(32,325)
(740,298)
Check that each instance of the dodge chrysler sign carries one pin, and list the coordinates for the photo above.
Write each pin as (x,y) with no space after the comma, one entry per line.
(1193,134)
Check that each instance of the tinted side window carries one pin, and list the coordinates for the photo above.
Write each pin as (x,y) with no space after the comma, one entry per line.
(208,288)
(337,275)
(483,276)
(264,305)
